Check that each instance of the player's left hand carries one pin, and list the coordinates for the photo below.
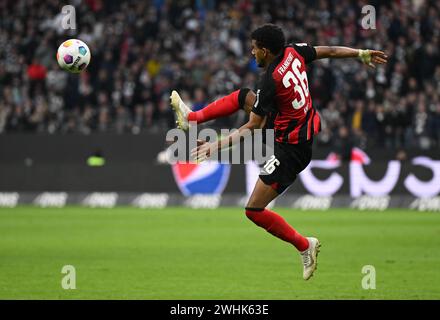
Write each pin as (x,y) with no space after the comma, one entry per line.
(372,57)
(203,151)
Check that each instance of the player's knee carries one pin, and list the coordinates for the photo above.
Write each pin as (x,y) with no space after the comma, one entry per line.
(256,202)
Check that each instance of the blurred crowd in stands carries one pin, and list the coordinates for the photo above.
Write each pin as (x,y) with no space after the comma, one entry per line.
(141,50)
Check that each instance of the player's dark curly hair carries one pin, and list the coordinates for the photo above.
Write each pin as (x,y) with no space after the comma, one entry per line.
(269,36)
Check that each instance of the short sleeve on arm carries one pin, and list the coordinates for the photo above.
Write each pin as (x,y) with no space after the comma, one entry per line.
(306,51)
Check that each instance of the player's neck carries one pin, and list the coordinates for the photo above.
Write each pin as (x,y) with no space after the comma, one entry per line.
(269,60)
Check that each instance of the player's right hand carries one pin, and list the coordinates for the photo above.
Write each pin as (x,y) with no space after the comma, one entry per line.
(203,151)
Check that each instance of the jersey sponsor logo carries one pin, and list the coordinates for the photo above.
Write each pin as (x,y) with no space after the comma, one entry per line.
(209,177)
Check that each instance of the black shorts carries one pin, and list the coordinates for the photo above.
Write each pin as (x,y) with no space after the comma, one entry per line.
(283,166)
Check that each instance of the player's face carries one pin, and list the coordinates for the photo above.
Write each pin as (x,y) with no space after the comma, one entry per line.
(259,54)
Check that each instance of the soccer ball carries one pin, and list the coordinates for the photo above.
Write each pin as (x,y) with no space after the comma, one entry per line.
(73,55)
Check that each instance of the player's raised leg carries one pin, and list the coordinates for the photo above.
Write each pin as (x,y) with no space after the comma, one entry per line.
(273,223)
(181,110)
(225,106)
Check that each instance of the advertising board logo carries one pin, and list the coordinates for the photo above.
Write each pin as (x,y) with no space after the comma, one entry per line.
(309,202)
(51,199)
(360,183)
(203,201)
(151,200)
(426,204)
(371,203)
(9,199)
(208,177)
(101,200)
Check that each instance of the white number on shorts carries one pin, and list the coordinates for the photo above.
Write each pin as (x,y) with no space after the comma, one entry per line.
(271,164)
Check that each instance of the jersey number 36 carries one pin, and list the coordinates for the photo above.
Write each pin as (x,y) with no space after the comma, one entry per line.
(299,80)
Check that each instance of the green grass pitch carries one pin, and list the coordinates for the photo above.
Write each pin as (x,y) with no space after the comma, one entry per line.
(179,253)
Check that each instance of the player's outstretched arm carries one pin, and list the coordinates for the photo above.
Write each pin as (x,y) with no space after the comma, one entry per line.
(368,57)
(205,149)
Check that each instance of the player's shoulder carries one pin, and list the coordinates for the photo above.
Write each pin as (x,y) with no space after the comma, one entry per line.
(297,45)
(291,51)
(304,50)
(297,48)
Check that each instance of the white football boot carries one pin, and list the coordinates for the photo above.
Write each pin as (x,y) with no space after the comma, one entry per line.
(181,110)
(310,257)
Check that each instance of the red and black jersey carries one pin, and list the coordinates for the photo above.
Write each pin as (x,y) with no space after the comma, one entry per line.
(283,95)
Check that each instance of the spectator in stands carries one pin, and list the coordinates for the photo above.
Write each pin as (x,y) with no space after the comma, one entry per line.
(135,65)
